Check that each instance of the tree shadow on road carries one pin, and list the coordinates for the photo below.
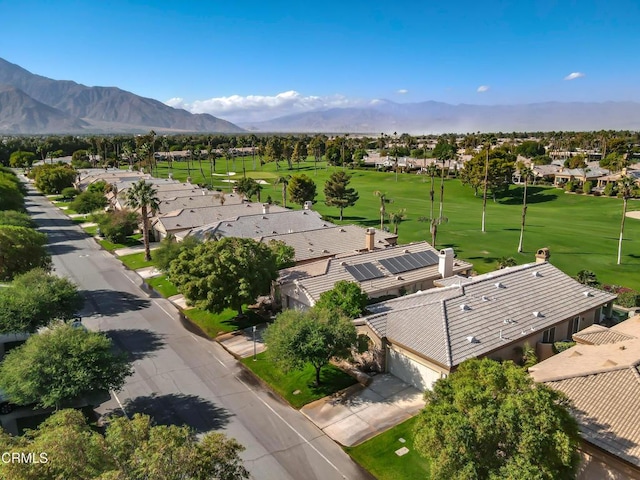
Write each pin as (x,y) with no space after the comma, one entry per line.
(178,409)
(110,303)
(137,343)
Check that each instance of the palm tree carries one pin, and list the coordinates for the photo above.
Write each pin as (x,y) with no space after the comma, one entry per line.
(143,196)
(484,188)
(383,210)
(526,173)
(626,190)
(432,171)
(396,218)
(284,181)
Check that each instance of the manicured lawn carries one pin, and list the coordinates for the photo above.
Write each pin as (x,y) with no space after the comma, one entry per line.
(134,261)
(332,379)
(163,286)
(214,324)
(581,232)
(93,230)
(132,241)
(67,210)
(378,455)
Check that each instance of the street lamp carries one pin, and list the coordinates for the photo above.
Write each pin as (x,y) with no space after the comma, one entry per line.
(254,343)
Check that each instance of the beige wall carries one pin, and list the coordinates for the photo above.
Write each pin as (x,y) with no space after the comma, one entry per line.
(599,465)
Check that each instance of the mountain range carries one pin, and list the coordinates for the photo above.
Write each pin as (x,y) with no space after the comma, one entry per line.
(33,104)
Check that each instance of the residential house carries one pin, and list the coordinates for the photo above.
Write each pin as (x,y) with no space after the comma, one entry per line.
(601,377)
(425,336)
(387,272)
(579,175)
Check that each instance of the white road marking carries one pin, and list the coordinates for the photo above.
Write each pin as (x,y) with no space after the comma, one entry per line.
(291,427)
(119,403)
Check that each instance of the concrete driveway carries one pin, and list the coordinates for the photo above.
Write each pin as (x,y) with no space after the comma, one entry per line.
(359,413)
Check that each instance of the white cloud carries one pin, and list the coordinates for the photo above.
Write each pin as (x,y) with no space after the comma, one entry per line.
(255,108)
(403,91)
(483,88)
(574,75)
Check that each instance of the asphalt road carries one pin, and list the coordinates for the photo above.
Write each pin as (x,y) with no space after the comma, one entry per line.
(180,378)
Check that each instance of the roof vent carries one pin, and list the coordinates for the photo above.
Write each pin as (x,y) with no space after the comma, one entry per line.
(405,251)
(465,307)
(537,274)
(191,211)
(399,277)
(538,314)
(274,232)
(499,285)
(587,294)
(576,354)
(485,298)
(325,251)
(342,230)
(311,249)
(264,217)
(507,321)
(472,339)
(305,213)
(343,263)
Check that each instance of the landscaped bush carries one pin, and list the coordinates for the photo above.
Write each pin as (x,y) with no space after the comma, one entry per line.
(610,189)
(69,193)
(117,226)
(630,299)
(88,202)
(586,188)
(570,187)
(53,178)
(559,347)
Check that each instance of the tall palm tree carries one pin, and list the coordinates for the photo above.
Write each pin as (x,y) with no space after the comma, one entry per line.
(383,209)
(432,171)
(626,190)
(490,141)
(143,196)
(526,173)
(284,181)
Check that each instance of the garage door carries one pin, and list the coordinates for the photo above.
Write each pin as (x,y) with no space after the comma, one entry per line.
(410,371)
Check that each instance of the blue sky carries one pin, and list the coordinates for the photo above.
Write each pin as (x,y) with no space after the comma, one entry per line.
(254,60)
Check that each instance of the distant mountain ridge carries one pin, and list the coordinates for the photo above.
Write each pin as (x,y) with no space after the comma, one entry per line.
(437,117)
(31,104)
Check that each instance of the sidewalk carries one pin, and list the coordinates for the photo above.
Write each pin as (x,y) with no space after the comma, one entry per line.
(137,249)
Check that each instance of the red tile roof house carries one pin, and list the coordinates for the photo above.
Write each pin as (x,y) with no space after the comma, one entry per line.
(425,336)
(601,376)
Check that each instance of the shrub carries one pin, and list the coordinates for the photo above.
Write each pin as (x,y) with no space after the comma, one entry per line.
(559,347)
(69,193)
(629,299)
(570,187)
(88,202)
(610,189)
(100,186)
(53,178)
(586,188)
(170,249)
(117,226)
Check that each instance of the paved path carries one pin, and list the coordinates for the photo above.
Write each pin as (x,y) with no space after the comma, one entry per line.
(180,378)
(360,413)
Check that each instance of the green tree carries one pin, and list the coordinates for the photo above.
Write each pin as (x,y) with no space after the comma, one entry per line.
(21,249)
(489,420)
(22,159)
(15,218)
(130,449)
(587,277)
(396,217)
(36,298)
(248,187)
(61,365)
(117,225)
(11,195)
(347,298)
(284,181)
(285,255)
(530,149)
(337,192)
(301,189)
(170,249)
(52,179)
(204,274)
(315,336)
(143,196)
(626,190)
(88,202)
(504,262)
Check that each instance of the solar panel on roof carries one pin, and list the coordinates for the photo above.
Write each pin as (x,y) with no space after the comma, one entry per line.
(364,271)
(409,261)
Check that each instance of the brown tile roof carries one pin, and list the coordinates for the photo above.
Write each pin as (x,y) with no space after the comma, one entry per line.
(603,382)
(599,335)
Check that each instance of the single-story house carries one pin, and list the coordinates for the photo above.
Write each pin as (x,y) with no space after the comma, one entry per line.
(425,336)
(172,200)
(601,377)
(388,272)
(579,175)
(333,240)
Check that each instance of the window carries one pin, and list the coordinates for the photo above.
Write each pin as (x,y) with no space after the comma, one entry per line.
(574,326)
(548,336)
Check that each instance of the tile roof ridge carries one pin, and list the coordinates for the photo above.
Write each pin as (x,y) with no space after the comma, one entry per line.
(594,372)
(447,337)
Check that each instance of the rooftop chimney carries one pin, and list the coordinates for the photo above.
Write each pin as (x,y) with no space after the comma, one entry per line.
(265,208)
(542,255)
(308,204)
(445,264)
(369,239)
